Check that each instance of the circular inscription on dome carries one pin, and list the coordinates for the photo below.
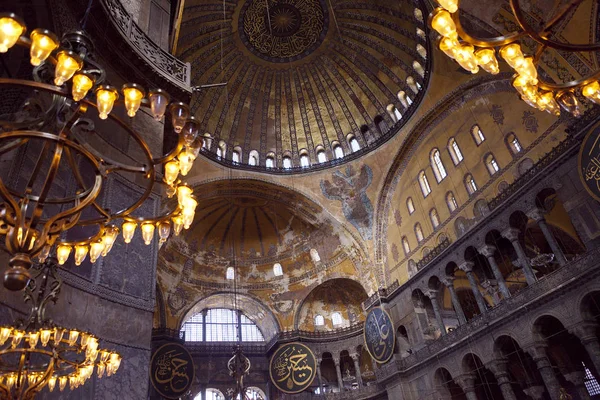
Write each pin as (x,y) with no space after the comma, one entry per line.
(283,30)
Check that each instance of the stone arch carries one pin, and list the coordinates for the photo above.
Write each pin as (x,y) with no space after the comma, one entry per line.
(446,386)
(589,306)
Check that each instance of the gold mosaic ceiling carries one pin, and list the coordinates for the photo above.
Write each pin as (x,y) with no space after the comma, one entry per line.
(302,74)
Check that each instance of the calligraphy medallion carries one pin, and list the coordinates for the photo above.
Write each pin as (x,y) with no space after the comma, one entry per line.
(379,335)
(293,368)
(589,163)
(283,30)
(172,370)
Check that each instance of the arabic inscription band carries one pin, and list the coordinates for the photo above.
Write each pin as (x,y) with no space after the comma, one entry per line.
(172,370)
(379,335)
(293,367)
(589,163)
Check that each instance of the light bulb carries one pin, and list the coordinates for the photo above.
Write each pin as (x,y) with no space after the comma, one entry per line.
(11,28)
(171,171)
(110,235)
(183,192)
(82,83)
(62,382)
(170,191)
(164,230)
(449,46)
(80,253)
(188,217)
(96,249)
(52,382)
(486,59)
(147,232)
(45,336)
(11,380)
(17,336)
(62,253)
(442,22)
(526,68)
(43,254)
(466,58)
(591,91)
(186,161)
(158,103)
(568,101)
(128,229)
(43,42)
(548,103)
(34,337)
(105,100)
(133,95)
(177,224)
(73,335)
(58,335)
(4,334)
(510,53)
(450,5)
(67,63)
(189,203)
(190,130)
(179,114)
(115,360)
(100,369)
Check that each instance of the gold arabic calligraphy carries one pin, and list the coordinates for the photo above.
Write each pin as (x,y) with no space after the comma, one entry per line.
(378,332)
(171,371)
(292,366)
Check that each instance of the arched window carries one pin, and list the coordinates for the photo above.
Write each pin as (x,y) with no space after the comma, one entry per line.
(354,145)
(235,156)
(470,184)
(319,320)
(454,151)
(491,164)
(338,152)
(451,201)
(336,318)
(437,165)
(304,161)
(435,218)
(513,143)
(321,156)
(405,245)
(419,232)
(418,15)
(422,51)
(410,205)
(314,255)
(270,162)
(221,325)
(287,162)
(421,33)
(412,268)
(424,183)
(211,394)
(410,81)
(230,274)
(222,149)
(253,158)
(419,69)
(277,270)
(478,135)
(394,113)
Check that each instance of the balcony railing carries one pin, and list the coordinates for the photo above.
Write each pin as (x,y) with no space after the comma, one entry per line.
(366,392)
(437,250)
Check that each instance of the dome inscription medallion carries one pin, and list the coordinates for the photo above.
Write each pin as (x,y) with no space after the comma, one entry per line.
(283,30)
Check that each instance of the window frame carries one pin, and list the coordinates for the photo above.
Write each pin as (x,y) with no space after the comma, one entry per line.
(451,199)
(424,184)
(435,224)
(470,184)
(491,164)
(455,153)
(477,134)
(410,206)
(419,232)
(405,245)
(439,171)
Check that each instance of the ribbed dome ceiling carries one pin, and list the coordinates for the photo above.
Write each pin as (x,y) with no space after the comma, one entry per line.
(302,75)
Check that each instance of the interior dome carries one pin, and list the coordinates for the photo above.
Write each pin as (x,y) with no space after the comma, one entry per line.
(302,78)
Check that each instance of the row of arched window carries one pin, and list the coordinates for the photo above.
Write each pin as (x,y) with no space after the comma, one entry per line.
(440,173)
(336,319)
(277,271)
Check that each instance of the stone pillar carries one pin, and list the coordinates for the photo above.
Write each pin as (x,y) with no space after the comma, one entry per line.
(586,332)
(460,314)
(432,294)
(339,374)
(577,379)
(512,234)
(488,251)
(319,379)
(498,368)
(467,267)
(467,384)
(538,351)
(535,392)
(356,359)
(538,215)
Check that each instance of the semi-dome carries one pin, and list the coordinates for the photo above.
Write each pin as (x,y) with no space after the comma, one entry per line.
(306,83)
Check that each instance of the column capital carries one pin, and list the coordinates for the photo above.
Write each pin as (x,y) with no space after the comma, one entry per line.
(448,281)
(467,266)
(466,382)
(499,366)
(354,357)
(535,392)
(511,234)
(487,250)
(585,331)
(538,351)
(336,361)
(575,377)
(536,214)
(432,294)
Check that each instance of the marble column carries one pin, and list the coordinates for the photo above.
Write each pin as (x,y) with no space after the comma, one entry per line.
(577,378)
(467,267)
(498,368)
(338,371)
(460,314)
(512,234)
(586,332)
(319,379)
(538,215)
(467,384)
(488,251)
(432,294)
(355,357)
(538,351)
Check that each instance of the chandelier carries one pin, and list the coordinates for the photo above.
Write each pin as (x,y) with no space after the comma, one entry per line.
(36,353)
(238,366)
(34,220)
(471,53)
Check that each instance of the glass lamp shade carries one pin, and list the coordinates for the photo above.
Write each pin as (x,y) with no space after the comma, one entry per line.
(62,253)
(450,5)
(510,53)
(105,100)
(190,130)
(147,232)
(442,22)
(449,46)
(67,63)
(183,192)
(159,99)
(568,101)
(133,95)
(128,229)
(110,235)
(547,103)
(171,171)
(591,92)
(186,161)
(486,59)
(11,28)
(82,83)
(194,147)
(180,112)
(177,224)
(96,249)
(526,68)
(164,230)
(43,43)
(81,252)
(466,58)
